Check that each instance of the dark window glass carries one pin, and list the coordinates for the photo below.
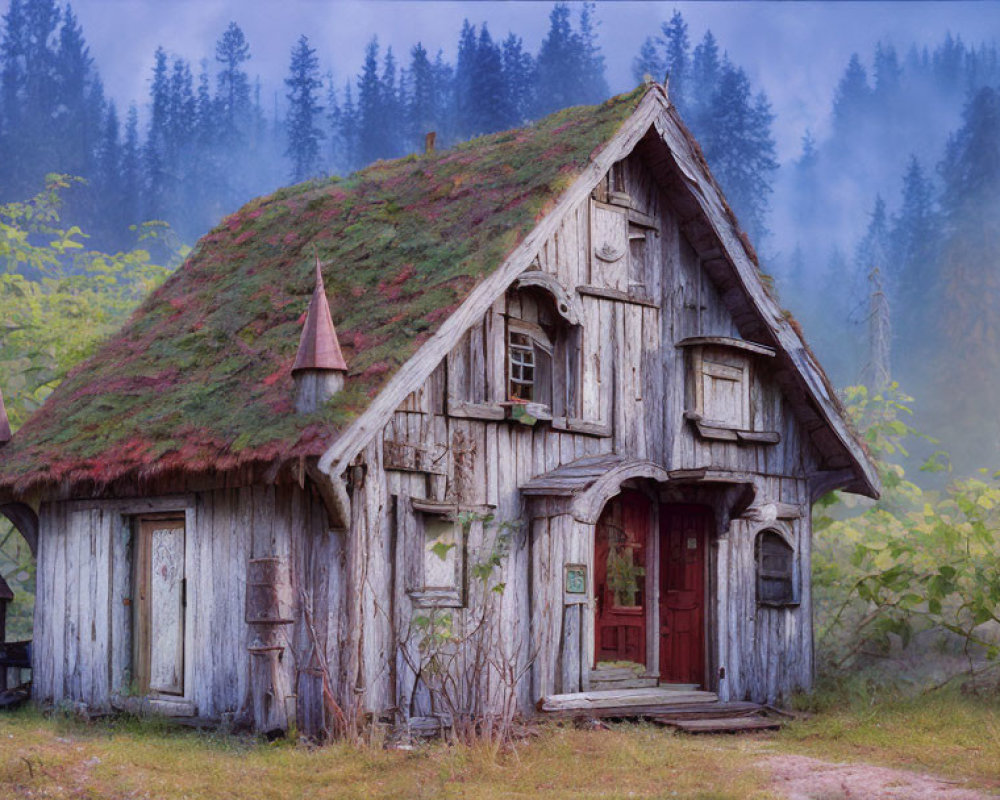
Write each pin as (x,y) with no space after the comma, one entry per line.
(775,570)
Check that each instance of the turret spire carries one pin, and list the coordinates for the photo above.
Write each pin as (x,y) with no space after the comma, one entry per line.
(319,365)
(4,423)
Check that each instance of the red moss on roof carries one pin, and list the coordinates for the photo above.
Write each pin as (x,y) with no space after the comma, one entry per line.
(199,378)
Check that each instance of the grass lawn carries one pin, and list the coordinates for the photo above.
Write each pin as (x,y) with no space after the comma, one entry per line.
(57,757)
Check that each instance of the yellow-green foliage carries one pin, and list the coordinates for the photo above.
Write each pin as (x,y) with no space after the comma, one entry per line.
(58,301)
(916,560)
(200,378)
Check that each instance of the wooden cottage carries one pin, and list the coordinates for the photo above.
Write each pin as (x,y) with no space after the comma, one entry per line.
(541,385)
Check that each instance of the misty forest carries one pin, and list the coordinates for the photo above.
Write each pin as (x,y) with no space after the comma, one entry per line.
(882,239)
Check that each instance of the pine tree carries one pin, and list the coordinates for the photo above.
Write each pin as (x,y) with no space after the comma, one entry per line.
(155,155)
(79,104)
(740,148)
(648,62)
(967,308)
(558,61)
(346,131)
(518,78)
(304,133)
(232,51)
(667,53)
(593,83)
(465,67)
(369,111)
(423,112)
(390,110)
(706,71)
(488,109)
(131,170)
(852,101)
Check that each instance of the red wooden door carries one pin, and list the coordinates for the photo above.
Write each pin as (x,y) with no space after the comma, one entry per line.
(620,579)
(683,542)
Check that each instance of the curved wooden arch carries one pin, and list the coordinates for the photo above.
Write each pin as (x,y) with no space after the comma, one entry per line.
(24,518)
(567,303)
(588,505)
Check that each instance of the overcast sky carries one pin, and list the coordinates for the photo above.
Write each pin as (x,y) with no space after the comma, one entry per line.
(796,52)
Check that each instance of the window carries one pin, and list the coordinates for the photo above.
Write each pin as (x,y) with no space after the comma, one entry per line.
(529,363)
(725,394)
(776,578)
(443,561)
(522,367)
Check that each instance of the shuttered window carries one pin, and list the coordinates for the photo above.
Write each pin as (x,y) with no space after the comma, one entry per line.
(776,578)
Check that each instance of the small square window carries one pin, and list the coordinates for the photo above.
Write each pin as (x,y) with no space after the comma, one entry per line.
(443,557)
(725,394)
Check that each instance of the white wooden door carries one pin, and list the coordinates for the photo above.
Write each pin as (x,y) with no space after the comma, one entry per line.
(160,612)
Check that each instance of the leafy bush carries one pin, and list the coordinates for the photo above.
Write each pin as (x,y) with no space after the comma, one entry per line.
(916,561)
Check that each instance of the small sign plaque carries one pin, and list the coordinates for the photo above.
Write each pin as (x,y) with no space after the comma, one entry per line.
(692,543)
(576,579)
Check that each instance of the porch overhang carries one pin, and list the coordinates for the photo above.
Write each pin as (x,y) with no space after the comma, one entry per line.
(583,487)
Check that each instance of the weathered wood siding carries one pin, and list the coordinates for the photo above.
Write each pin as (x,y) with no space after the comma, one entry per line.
(449,442)
(83,611)
(636,287)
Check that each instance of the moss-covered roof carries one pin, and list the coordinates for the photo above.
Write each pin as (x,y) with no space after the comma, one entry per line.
(200,379)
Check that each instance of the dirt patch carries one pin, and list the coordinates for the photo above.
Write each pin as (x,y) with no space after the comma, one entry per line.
(802,778)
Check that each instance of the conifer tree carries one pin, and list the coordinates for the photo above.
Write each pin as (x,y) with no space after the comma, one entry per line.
(155,156)
(852,100)
(518,78)
(967,309)
(304,133)
(369,111)
(232,51)
(558,60)
(465,67)
(740,149)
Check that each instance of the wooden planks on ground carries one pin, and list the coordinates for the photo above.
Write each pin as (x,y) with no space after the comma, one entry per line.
(741,724)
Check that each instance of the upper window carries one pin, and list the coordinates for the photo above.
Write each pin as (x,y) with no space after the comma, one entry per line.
(522,367)
(776,579)
(725,393)
(529,363)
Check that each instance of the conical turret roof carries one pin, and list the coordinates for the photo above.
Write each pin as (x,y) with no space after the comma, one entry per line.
(4,422)
(318,347)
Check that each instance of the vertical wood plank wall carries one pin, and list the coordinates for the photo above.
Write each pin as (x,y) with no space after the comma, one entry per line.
(83,626)
(446,443)
(633,382)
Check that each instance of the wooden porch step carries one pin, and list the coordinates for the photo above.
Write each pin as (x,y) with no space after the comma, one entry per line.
(722,724)
(717,710)
(623,702)
(601,683)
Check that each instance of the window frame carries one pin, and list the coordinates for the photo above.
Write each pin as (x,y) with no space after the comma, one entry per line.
(427,596)
(541,362)
(790,575)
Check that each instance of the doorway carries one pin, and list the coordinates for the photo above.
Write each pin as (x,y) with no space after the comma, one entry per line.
(684,533)
(160,607)
(620,549)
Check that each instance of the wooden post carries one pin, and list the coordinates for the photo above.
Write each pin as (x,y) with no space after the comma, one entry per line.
(268,609)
